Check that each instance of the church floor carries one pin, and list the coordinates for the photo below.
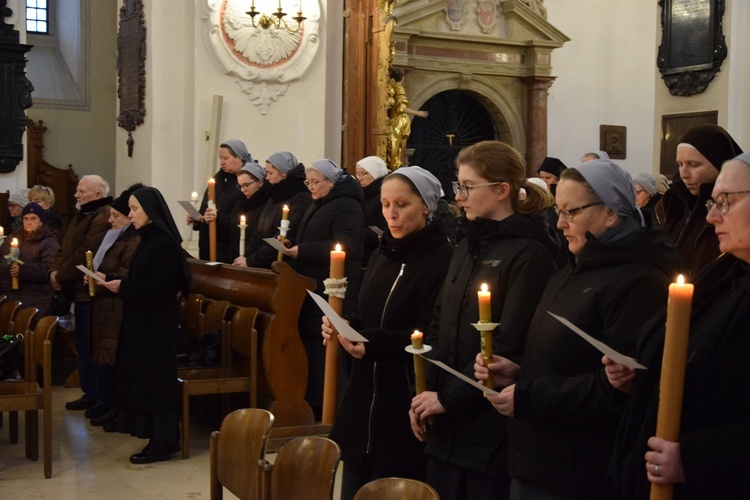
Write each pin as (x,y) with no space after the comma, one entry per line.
(90,463)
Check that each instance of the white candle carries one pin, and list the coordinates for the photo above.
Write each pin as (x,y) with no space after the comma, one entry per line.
(193,196)
(243,225)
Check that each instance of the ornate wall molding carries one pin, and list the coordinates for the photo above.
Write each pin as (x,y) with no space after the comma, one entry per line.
(265,60)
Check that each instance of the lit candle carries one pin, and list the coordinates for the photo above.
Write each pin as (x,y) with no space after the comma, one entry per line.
(212,223)
(485,305)
(673,364)
(338,257)
(417,343)
(2,231)
(285,213)
(330,382)
(194,196)
(242,235)
(14,259)
(283,229)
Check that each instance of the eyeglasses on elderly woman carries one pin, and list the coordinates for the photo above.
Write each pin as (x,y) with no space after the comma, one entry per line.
(722,201)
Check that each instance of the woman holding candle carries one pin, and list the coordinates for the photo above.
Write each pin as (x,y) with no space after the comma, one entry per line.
(37,247)
(335,216)
(700,154)
(250,181)
(507,246)
(561,427)
(397,296)
(233,154)
(146,393)
(710,459)
(285,185)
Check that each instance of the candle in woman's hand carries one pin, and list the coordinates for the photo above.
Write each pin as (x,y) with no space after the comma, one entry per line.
(243,225)
(2,231)
(285,213)
(14,243)
(14,255)
(212,189)
(485,304)
(417,343)
(338,258)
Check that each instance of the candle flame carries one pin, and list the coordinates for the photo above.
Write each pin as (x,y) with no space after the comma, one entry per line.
(285,209)
(242,219)
(14,242)
(338,247)
(211,180)
(417,334)
(680,280)
(484,287)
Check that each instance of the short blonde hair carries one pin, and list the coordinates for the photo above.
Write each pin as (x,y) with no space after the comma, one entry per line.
(43,193)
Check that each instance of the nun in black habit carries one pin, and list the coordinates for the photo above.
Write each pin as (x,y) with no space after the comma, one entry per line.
(146,373)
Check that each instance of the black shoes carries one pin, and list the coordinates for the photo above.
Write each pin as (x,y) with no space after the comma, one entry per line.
(106,418)
(82,403)
(110,426)
(97,411)
(155,453)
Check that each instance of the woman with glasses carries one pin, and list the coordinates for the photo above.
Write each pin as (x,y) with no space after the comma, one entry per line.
(233,154)
(700,154)
(507,246)
(646,196)
(250,183)
(285,186)
(370,173)
(710,459)
(334,217)
(561,428)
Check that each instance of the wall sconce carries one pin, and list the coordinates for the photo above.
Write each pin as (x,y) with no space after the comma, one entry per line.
(276,19)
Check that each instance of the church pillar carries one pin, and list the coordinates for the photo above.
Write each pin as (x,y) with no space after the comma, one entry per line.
(536,121)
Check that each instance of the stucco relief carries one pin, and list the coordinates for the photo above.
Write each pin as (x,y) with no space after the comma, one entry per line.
(265,60)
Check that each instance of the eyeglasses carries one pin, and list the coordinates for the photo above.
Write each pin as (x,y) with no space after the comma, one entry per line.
(722,201)
(362,175)
(463,189)
(246,185)
(568,214)
(310,183)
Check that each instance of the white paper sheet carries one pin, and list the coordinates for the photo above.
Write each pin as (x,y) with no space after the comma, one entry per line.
(190,209)
(85,270)
(276,244)
(600,346)
(376,230)
(337,321)
(463,377)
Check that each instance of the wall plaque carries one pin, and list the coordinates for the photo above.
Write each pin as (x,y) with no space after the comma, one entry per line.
(131,68)
(692,45)
(613,141)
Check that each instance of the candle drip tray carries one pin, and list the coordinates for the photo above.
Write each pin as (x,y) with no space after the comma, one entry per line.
(423,350)
(483,327)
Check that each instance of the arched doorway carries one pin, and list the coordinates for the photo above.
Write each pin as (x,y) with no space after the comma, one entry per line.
(456,119)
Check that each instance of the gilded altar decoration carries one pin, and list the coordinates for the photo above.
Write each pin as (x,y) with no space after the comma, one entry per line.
(264,55)
(400,122)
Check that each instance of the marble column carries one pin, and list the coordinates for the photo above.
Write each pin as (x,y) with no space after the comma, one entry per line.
(536,121)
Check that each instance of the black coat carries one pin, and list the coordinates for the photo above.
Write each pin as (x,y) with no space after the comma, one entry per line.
(146,372)
(515,257)
(563,430)
(227,194)
(684,221)
(336,218)
(715,425)
(291,192)
(397,297)
(372,213)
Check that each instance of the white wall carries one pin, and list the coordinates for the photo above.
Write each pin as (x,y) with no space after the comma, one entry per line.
(605,76)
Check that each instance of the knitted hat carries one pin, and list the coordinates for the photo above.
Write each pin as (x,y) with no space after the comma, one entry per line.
(20,197)
(551,165)
(329,169)
(427,184)
(36,209)
(662,183)
(255,170)
(647,182)
(284,161)
(374,165)
(121,202)
(711,141)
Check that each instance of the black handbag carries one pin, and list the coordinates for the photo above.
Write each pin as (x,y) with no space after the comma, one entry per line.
(61,302)
(11,355)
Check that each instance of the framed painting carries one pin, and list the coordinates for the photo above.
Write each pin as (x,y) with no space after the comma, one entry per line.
(672,129)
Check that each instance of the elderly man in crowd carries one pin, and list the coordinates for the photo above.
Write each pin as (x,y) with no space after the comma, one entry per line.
(85,232)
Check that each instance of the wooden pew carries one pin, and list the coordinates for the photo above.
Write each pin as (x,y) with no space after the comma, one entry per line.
(282,371)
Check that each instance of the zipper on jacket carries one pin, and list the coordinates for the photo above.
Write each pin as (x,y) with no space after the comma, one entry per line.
(375,364)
